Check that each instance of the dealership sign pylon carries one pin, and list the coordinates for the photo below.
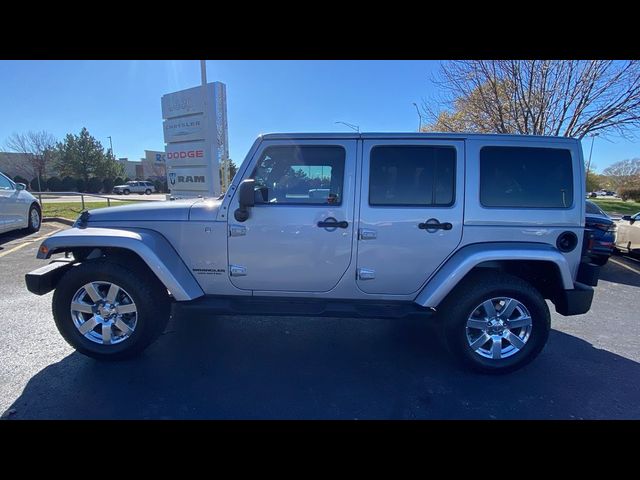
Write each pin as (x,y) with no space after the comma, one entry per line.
(196,141)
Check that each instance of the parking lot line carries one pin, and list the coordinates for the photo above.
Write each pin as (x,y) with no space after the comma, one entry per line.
(28,242)
(618,262)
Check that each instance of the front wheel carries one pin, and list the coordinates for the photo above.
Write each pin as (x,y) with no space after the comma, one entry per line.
(147,192)
(127,192)
(35,219)
(494,322)
(110,311)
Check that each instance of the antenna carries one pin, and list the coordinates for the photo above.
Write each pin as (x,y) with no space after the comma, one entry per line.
(351,126)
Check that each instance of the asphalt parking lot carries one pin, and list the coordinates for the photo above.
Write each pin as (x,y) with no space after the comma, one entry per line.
(282,368)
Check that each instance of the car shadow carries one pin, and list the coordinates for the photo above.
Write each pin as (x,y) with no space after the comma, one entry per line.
(11,236)
(298,368)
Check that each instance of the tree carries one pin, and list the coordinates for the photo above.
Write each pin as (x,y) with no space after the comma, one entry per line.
(38,149)
(84,157)
(570,98)
(623,174)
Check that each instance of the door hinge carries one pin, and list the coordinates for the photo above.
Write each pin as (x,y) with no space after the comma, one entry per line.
(237,270)
(366,274)
(367,234)
(237,230)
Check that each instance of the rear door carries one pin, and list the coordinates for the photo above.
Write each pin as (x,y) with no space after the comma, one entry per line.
(411,211)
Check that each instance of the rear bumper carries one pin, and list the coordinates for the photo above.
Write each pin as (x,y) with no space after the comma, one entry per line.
(576,301)
(45,279)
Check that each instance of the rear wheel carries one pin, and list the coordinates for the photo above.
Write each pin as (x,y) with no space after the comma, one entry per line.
(147,191)
(494,322)
(127,192)
(35,218)
(110,311)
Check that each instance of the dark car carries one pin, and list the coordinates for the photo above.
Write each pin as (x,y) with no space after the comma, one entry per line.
(601,230)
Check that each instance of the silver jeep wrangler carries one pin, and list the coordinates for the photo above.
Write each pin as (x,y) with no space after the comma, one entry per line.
(469,232)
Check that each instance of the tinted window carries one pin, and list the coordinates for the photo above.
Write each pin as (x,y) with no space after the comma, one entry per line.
(593,209)
(301,175)
(526,177)
(412,175)
(5,184)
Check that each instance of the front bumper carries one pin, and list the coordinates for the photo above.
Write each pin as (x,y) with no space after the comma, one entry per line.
(45,279)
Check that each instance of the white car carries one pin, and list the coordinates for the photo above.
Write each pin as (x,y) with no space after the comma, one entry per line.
(18,208)
(628,234)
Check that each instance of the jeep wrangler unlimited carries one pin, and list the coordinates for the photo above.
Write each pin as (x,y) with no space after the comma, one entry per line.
(471,232)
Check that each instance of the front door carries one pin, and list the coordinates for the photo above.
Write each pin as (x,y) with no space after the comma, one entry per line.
(411,211)
(298,237)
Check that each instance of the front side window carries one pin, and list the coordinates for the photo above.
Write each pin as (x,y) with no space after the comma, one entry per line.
(412,175)
(524,177)
(311,175)
(5,183)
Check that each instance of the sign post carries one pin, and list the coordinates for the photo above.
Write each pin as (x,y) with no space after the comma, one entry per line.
(195,134)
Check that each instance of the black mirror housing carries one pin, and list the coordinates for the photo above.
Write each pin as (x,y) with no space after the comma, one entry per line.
(626,217)
(246,199)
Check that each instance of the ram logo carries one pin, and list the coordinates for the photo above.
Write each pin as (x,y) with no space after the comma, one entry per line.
(172,178)
(191,179)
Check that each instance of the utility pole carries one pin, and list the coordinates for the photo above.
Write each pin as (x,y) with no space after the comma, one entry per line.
(593,137)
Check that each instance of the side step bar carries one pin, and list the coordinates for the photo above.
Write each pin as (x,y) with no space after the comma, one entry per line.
(288,306)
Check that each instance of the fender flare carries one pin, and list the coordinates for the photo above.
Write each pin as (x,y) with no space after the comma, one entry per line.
(154,249)
(465,259)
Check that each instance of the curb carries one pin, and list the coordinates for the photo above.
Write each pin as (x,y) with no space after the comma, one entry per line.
(66,221)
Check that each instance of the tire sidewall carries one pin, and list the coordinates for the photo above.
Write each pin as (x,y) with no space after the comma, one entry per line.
(540,318)
(126,192)
(73,281)
(30,227)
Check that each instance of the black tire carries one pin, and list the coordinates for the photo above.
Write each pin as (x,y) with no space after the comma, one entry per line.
(126,192)
(31,228)
(147,192)
(479,286)
(150,296)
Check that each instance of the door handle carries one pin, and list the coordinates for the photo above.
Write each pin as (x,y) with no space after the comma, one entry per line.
(332,223)
(434,224)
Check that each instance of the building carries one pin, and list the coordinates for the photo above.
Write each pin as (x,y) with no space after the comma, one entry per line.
(152,166)
(12,164)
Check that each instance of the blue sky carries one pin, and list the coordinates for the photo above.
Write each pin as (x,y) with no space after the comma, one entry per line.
(121,99)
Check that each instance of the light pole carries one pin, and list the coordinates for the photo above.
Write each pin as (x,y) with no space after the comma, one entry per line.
(593,137)
(419,117)
(351,126)
(111,145)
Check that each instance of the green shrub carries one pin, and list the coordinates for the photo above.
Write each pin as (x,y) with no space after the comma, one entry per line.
(69,184)
(54,184)
(630,194)
(81,185)
(94,185)
(19,179)
(34,184)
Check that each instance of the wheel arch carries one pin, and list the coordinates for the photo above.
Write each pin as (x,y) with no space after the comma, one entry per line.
(539,264)
(148,246)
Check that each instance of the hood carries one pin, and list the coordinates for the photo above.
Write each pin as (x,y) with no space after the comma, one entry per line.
(167,210)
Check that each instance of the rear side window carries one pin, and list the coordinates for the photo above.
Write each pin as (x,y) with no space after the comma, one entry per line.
(523,177)
(416,175)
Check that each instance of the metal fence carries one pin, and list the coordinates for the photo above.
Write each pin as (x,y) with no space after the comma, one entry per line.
(50,195)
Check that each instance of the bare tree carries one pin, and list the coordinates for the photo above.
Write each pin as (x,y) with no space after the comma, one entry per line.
(623,174)
(570,98)
(38,149)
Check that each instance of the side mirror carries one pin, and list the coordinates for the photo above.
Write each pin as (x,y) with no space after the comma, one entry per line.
(246,199)
(627,218)
(20,186)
